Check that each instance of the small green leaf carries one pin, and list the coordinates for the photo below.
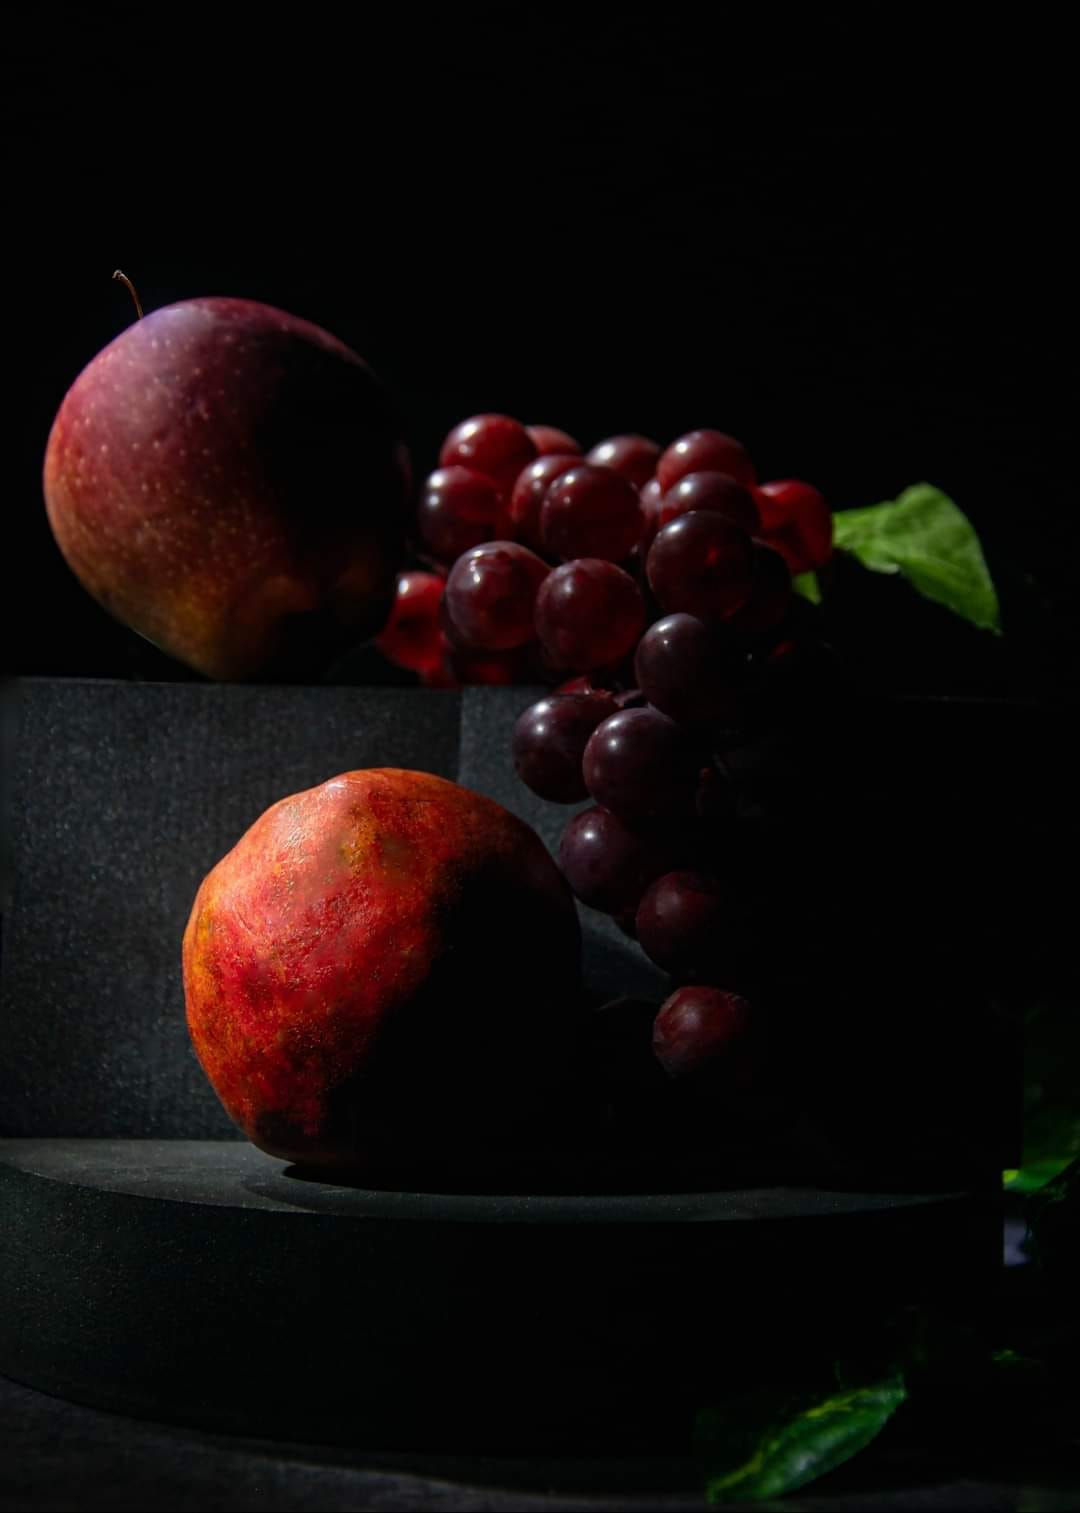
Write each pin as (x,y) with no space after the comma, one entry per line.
(927,538)
(807,584)
(811,1438)
(1029,1178)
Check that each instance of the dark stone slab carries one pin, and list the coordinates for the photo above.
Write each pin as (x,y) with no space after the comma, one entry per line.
(205,1283)
(55,1454)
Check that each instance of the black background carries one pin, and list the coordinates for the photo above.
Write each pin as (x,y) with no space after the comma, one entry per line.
(838,234)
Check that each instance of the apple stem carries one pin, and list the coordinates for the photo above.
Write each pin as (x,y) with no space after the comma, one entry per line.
(131,290)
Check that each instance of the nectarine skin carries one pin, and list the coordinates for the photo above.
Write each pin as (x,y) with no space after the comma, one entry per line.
(227,480)
(383,972)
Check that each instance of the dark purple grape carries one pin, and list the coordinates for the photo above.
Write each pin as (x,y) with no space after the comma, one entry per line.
(634,457)
(688,922)
(582,683)
(599,680)
(589,613)
(690,671)
(770,594)
(530,491)
(590,512)
(642,766)
(701,1029)
(711,491)
(701,564)
(705,451)
(457,510)
(494,445)
(549,439)
(490,596)
(651,499)
(549,742)
(454,642)
(609,866)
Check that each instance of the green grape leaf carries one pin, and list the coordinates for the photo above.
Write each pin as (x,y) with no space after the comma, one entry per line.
(795,1447)
(807,584)
(927,538)
(1034,1175)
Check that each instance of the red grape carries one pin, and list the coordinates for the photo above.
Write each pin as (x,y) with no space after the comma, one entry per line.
(548,439)
(642,766)
(439,675)
(458,665)
(530,491)
(685,921)
(797,522)
(711,491)
(549,742)
(494,445)
(590,512)
(700,451)
(651,498)
(607,679)
(701,1028)
(457,510)
(701,564)
(589,613)
(454,641)
(609,866)
(498,669)
(490,596)
(411,636)
(770,594)
(689,671)
(581,684)
(633,457)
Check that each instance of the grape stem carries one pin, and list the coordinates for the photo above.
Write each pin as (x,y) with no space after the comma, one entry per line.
(123,278)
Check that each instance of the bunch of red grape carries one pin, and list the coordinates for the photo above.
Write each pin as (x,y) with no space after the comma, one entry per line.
(510,503)
(652,589)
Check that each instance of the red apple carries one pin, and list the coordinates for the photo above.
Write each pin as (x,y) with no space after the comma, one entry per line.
(228,481)
(382,973)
